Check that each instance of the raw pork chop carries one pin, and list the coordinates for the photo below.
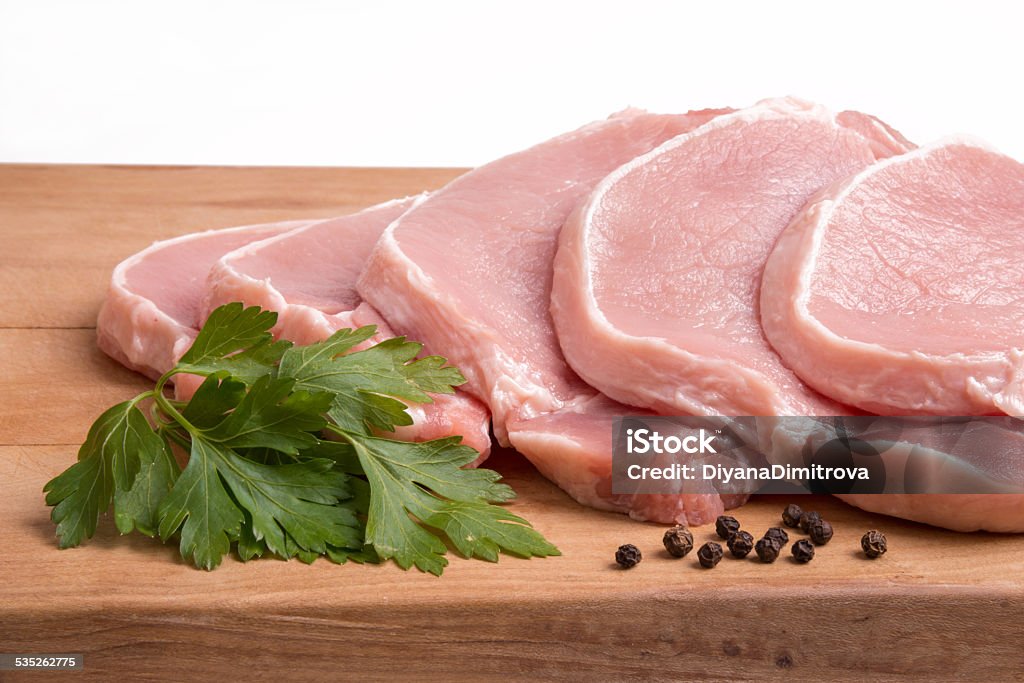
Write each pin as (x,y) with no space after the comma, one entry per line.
(977,465)
(986,461)
(152,311)
(956,511)
(899,290)
(308,277)
(657,272)
(468,271)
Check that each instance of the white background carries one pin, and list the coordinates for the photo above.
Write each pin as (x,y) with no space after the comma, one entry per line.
(453,84)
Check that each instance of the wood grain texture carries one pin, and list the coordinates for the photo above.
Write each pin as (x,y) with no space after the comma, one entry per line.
(65,227)
(939,605)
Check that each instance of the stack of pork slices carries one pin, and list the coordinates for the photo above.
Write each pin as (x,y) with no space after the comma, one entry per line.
(769,261)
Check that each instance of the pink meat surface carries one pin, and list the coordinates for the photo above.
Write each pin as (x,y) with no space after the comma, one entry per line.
(977,465)
(152,311)
(308,277)
(987,461)
(898,290)
(956,511)
(469,272)
(658,271)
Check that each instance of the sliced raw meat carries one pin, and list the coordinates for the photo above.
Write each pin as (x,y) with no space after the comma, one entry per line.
(469,270)
(152,311)
(956,511)
(885,140)
(658,271)
(308,277)
(899,290)
(983,460)
(978,465)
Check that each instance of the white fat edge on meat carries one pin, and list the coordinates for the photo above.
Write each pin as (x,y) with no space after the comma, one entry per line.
(445,306)
(225,266)
(778,107)
(141,305)
(809,258)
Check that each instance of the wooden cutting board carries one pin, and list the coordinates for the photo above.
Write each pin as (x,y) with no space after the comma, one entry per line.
(939,605)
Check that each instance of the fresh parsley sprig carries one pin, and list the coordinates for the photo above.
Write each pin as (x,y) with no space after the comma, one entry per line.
(259,475)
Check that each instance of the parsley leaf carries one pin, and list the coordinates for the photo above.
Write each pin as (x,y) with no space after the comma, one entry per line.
(272,416)
(137,508)
(358,380)
(213,401)
(433,374)
(199,505)
(418,486)
(417,375)
(111,456)
(478,529)
(236,341)
(229,329)
(368,384)
(259,476)
(292,508)
(80,494)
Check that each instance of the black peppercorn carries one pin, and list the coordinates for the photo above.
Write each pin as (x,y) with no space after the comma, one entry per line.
(678,541)
(628,556)
(741,544)
(803,551)
(791,516)
(767,550)
(709,554)
(820,532)
(777,534)
(726,526)
(806,519)
(874,544)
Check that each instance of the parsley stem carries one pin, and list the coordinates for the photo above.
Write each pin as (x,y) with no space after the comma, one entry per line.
(141,397)
(177,438)
(157,416)
(167,406)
